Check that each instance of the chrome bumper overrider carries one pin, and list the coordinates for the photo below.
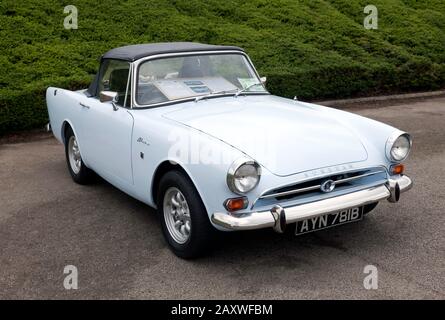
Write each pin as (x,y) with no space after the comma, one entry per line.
(278,217)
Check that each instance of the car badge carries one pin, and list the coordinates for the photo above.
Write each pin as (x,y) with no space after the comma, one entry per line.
(327,186)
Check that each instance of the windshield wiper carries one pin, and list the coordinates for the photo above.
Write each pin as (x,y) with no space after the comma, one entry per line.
(212,94)
(238,92)
(246,88)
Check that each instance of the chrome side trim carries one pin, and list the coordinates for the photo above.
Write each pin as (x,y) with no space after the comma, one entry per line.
(315,187)
(277,217)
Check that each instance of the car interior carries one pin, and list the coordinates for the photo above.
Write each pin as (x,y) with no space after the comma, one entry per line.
(118,83)
(194,77)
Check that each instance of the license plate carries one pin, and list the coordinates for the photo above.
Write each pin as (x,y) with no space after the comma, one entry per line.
(329,220)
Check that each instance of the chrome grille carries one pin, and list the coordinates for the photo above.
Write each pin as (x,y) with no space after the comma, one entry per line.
(302,188)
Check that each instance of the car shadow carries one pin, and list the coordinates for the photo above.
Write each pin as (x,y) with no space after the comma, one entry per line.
(253,243)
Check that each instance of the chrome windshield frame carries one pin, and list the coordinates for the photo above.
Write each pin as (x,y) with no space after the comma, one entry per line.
(137,63)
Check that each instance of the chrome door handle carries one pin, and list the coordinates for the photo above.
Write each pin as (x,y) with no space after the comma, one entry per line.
(84,105)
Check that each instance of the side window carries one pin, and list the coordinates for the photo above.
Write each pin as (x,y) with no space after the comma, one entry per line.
(114,77)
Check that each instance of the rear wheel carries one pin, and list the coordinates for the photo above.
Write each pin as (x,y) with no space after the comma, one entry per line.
(184,220)
(78,171)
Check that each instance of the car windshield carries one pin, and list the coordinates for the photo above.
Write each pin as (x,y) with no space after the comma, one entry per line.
(176,78)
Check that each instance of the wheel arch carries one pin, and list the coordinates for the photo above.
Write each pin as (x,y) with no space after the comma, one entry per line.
(65,125)
(164,167)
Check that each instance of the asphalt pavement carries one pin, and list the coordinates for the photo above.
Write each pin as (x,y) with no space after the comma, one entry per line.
(48,222)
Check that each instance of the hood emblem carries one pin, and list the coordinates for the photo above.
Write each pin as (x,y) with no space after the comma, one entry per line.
(327,186)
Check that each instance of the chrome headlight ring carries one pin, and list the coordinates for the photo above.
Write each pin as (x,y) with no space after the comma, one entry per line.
(243,175)
(398,146)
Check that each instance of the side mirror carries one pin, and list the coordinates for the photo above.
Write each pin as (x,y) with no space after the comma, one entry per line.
(109,96)
(263,80)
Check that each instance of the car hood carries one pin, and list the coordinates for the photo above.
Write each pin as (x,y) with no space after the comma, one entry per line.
(284,136)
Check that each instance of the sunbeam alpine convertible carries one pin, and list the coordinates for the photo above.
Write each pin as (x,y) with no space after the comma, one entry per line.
(191,130)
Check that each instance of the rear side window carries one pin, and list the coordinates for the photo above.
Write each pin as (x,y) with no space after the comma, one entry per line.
(114,77)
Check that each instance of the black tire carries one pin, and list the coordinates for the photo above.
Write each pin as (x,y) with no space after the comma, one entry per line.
(202,235)
(82,175)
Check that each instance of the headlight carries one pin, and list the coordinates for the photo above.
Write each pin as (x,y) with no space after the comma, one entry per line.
(243,176)
(398,147)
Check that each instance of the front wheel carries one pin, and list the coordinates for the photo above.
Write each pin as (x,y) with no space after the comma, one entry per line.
(184,220)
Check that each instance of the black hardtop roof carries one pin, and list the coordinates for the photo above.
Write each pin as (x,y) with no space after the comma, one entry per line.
(138,51)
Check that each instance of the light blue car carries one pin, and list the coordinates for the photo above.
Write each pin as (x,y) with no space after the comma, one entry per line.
(191,130)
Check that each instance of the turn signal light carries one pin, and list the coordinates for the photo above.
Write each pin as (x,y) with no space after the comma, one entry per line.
(236,204)
(397,169)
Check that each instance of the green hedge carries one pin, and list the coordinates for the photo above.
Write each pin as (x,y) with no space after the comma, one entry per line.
(358,80)
(314,49)
(21,110)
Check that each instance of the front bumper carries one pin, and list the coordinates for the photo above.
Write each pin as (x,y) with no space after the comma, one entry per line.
(278,217)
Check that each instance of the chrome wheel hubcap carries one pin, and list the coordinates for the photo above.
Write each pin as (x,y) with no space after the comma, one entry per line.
(177,215)
(74,155)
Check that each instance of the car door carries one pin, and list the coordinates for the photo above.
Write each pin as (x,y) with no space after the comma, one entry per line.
(110,125)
